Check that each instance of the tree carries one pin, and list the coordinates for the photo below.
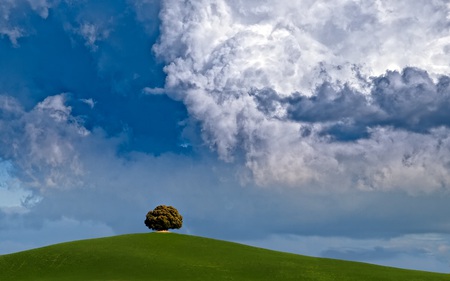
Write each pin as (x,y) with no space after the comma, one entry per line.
(163,218)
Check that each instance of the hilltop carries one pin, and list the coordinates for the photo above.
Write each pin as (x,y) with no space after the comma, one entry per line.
(169,256)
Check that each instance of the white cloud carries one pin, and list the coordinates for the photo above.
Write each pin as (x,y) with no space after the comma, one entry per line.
(41,143)
(220,55)
(90,102)
(41,7)
(285,45)
(92,34)
(153,91)
(13,34)
(13,14)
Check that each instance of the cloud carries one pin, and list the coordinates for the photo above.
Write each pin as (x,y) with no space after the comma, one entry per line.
(89,102)
(22,237)
(41,7)
(6,27)
(420,251)
(13,34)
(92,34)
(409,100)
(281,85)
(417,249)
(153,91)
(12,20)
(40,143)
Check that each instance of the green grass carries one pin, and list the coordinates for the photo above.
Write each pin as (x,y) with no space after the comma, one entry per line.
(169,256)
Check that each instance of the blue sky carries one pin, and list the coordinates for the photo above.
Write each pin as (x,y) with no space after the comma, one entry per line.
(304,126)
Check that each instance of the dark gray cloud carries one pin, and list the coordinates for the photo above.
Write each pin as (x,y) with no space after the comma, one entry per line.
(409,100)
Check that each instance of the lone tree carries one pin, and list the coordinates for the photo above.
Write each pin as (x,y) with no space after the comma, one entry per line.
(163,218)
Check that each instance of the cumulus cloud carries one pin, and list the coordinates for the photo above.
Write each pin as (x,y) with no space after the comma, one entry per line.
(284,84)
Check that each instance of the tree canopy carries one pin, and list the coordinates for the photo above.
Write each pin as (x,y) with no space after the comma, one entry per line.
(163,218)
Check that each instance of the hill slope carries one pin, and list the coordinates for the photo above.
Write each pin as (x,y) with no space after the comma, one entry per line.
(168,256)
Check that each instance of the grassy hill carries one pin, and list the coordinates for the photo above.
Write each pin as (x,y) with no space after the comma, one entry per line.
(169,256)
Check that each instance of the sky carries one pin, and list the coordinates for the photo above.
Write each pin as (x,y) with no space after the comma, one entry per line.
(314,127)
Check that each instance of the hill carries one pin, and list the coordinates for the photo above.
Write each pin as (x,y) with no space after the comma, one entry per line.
(169,256)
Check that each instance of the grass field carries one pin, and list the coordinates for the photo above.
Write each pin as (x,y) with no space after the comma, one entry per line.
(169,256)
